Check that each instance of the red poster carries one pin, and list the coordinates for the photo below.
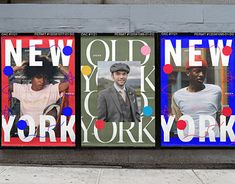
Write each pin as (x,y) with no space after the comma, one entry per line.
(38,90)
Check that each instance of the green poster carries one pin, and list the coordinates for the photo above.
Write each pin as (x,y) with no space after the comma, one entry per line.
(118,90)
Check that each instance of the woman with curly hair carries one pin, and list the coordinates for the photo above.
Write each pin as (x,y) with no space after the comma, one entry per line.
(35,96)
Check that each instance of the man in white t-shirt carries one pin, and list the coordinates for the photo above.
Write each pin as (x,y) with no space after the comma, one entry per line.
(40,92)
(198,98)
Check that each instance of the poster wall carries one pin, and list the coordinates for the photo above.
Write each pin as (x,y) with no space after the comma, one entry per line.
(130,90)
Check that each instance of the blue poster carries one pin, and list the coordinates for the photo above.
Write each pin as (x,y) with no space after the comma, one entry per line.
(197,90)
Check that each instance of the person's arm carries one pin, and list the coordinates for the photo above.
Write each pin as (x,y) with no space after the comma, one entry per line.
(102,108)
(218,113)
(15,70)
(63,86)
(137,113)
(175,110)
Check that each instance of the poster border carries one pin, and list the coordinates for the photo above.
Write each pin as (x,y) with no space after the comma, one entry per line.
(75,103)
(82,147)
(183,147)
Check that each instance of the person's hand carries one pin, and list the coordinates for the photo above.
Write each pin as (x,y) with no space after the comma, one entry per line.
(22,67)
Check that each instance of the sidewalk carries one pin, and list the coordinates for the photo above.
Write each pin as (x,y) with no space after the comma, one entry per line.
(68,174)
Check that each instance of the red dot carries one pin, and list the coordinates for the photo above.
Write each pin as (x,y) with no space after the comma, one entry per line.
(99,124)
(181,124)
(168,68)
(227,111)
(227,50)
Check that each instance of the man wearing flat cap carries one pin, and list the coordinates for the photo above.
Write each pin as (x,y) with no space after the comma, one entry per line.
(118,103)
(198,98)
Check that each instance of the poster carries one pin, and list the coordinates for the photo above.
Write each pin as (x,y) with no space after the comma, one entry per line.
(38,90)
(117,90)
(197,89)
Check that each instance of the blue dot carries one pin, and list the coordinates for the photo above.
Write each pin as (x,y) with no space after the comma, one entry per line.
(148,111)
(67,50)
(21,124)
(67,111)
(8,70)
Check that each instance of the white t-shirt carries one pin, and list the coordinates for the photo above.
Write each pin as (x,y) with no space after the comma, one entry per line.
(34,102)
(204,102)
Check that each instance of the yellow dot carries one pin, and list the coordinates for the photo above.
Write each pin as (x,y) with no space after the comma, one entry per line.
(86,70)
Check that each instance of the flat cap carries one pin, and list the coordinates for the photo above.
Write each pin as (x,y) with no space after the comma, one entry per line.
(119,67)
